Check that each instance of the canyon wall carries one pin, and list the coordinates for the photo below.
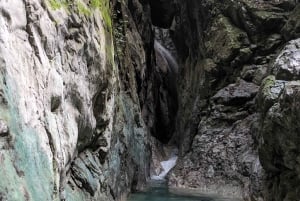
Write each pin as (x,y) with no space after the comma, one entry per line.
(231,139)
(73,90)
(89,92)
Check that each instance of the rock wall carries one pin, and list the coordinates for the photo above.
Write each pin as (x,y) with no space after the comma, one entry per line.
(84,87)
(225,50)
(279,127)
(73,88)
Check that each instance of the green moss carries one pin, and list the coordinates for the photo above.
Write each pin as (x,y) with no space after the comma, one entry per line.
(83,9)
(103,6)
(224,40)
(267,84)
(55,4)
(58,4)
(269,93)
(96,3)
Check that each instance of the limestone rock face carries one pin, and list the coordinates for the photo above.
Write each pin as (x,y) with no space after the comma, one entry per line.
(84,87)
(279,126)
(71,126)
(286,66)
(225,51)
(223,154)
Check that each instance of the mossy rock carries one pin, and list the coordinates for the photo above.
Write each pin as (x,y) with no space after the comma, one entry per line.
(58,4)
(103,6)
(224,40)
(83,9)
(269,92)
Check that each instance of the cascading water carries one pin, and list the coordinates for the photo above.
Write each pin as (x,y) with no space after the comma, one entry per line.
(167,55)
(165,157)
(166,165)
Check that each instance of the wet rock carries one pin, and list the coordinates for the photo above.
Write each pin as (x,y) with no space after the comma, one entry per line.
(269,92)
(225,49)
(291,29)
(86,172)
(254,73)
(268,20)
(278,150)
(220,147)
(287,65)
(271,44)
(225,43)
(279,105)
(219,160)
(236,94)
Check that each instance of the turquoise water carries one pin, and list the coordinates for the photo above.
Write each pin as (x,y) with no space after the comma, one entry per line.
(159,192)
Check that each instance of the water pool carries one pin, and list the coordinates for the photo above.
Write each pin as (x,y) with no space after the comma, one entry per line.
(158,191)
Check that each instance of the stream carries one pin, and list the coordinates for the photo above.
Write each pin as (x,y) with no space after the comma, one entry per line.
(158,191)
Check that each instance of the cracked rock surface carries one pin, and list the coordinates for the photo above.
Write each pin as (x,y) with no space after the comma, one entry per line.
(235,127)
(67,121)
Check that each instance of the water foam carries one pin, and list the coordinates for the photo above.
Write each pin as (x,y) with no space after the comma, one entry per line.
(166,166)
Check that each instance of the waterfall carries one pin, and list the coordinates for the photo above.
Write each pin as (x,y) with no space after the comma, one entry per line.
(168,108)
(166,165)
(168,56)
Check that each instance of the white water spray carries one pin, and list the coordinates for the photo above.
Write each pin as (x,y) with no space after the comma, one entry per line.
(166,166)
(169,57)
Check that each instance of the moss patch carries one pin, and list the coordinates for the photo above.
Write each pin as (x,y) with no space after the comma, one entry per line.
(58,4)
(267,83)
(224,40)
(83,9)
(103,6)
(270,91)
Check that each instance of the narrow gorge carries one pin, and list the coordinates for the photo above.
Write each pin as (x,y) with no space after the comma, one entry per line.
(98,98)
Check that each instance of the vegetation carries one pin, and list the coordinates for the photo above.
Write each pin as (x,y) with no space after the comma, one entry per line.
(83,9)
(58,4)
(103,6)
(88,10)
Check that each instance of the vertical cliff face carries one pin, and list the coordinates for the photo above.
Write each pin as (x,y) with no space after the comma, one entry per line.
(279,127)
(225,49)
(73,87)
